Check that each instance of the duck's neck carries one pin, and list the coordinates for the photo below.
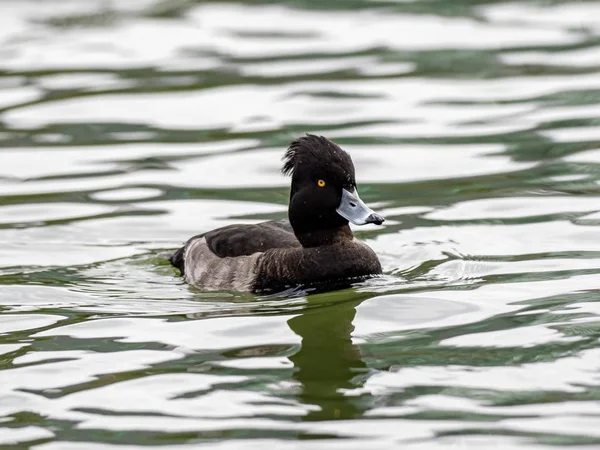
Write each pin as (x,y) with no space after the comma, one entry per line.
(329,236)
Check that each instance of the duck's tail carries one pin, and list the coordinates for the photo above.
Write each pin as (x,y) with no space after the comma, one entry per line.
(177,258)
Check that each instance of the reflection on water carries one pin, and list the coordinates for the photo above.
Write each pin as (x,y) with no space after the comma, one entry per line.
(126,127)
(327,361)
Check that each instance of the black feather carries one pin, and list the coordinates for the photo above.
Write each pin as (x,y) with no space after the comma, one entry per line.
(178,260)
(311,148)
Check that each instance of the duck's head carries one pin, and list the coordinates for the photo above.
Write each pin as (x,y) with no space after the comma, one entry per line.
(323,195)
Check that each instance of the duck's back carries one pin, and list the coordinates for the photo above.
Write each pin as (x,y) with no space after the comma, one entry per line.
(227,258)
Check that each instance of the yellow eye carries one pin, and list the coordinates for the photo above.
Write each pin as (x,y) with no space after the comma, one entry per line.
(321,183)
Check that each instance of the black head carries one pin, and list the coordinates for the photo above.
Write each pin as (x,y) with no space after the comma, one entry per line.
(323,194)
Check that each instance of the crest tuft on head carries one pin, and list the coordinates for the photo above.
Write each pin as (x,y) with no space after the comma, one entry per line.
(310,147)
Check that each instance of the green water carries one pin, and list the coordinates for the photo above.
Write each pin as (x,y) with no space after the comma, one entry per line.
(127,127)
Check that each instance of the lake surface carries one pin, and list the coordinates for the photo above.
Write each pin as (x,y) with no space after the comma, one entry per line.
(127,127)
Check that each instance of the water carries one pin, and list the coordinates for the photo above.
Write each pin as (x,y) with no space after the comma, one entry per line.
(127,127)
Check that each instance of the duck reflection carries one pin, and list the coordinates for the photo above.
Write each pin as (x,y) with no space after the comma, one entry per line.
(328,362)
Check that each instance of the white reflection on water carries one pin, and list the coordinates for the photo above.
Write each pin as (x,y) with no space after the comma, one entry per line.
(128,132)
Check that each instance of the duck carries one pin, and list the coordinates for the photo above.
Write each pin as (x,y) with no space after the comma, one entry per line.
(315,245)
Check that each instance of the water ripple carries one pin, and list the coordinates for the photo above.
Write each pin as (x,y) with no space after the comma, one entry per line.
(126,127)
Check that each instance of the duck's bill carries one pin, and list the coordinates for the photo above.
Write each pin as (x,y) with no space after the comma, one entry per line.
(354,210)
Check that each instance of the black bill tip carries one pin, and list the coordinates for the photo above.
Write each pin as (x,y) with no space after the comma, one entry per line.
(375,218)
